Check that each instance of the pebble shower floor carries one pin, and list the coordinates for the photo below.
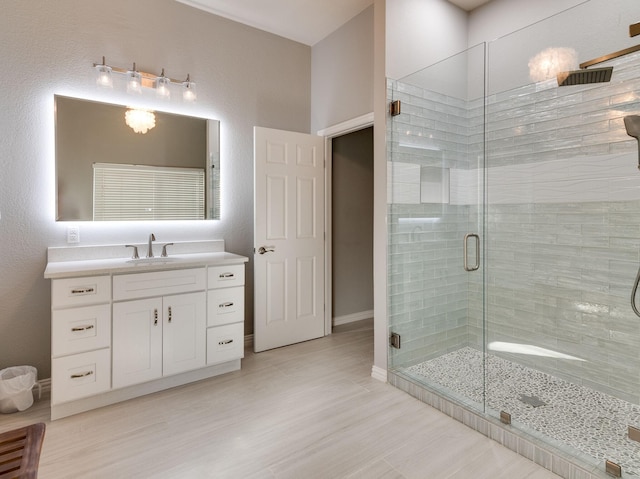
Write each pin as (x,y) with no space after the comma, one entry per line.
(589,421)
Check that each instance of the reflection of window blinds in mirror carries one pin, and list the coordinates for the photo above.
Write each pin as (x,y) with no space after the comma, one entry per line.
(135,192)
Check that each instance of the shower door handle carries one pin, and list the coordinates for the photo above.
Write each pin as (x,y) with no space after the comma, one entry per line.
(465,248)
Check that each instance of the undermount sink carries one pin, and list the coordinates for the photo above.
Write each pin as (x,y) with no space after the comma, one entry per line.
(155,260)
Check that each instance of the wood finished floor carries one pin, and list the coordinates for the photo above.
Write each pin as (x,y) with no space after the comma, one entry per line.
(309,410)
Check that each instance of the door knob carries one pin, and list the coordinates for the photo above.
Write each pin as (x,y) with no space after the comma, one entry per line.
(266,249)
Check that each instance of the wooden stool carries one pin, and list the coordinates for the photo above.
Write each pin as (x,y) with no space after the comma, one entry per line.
(20,452)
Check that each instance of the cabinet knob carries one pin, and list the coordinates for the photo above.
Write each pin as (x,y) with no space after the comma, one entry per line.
(226,341)
(169,309)
(155,317)
(81,375)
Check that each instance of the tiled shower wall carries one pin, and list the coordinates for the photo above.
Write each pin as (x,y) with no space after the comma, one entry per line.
(563,228)
(562,234)
(428,287)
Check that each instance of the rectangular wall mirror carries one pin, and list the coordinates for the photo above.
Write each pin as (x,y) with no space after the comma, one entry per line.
(107,171)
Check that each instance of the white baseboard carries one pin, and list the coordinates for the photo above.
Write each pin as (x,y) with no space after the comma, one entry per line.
(379,373)
(351,318)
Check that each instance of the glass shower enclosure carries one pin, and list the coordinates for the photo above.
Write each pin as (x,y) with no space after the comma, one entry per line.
(514,239)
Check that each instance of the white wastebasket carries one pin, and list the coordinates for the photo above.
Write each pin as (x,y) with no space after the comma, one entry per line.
(16,384)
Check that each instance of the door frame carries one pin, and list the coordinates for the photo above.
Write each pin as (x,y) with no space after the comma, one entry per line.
(329,133)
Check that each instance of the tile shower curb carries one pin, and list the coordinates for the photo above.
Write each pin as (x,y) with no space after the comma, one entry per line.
(519,442)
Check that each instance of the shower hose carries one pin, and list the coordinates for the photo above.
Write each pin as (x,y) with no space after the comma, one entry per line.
(634,291)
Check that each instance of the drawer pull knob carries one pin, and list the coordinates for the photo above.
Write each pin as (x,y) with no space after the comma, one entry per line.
(81,375)
(83,328)
(155,317)
(87,290)
(227,275)
(226,341)
(225,305)
(170,315)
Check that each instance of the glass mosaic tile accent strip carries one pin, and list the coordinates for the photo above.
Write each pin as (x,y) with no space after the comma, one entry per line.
(586,420)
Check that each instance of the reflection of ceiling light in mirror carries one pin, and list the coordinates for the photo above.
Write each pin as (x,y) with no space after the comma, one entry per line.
(140,121)
(550,61)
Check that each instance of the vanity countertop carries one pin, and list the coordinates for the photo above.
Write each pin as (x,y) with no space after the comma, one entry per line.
(64,265)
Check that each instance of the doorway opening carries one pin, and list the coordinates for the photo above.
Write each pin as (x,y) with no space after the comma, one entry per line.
(351,227)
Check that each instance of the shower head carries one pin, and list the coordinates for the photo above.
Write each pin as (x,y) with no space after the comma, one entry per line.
(584,76)
(632,124)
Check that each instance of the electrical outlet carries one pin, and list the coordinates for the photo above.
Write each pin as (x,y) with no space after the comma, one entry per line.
(73,234)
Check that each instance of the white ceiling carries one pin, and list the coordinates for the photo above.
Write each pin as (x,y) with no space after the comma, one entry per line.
(305,21)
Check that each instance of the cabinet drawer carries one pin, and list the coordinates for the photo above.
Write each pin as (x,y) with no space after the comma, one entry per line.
(80,291)
(226,276)
(80,375)
(225,343)
(225,306)
(158,283)
(77,330)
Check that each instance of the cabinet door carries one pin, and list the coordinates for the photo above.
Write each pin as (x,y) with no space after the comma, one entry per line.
(184,332)
(137,341)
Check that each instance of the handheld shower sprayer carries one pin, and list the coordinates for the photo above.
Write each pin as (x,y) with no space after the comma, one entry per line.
(632,124)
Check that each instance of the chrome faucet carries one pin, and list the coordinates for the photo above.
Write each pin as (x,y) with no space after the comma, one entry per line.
(150,247)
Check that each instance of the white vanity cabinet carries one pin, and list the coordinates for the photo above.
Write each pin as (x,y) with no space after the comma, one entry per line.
(122,329)
(80,337)
(225,313)
(158,336)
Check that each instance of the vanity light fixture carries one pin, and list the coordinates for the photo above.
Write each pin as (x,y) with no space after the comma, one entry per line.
(137,80)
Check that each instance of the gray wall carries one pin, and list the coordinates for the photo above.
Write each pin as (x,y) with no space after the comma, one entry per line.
(420,33)
(352,223)
(342,73)
(244,76)
(502,17)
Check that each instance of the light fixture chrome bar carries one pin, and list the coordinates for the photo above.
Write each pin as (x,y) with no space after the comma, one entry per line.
(144,75)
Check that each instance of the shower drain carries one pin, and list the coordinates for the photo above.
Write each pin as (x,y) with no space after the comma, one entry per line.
(532,401)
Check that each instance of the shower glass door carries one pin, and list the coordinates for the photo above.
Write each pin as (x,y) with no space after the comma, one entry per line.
(436,227)
(563,228)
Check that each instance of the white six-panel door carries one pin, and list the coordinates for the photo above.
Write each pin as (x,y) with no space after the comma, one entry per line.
(288,238)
